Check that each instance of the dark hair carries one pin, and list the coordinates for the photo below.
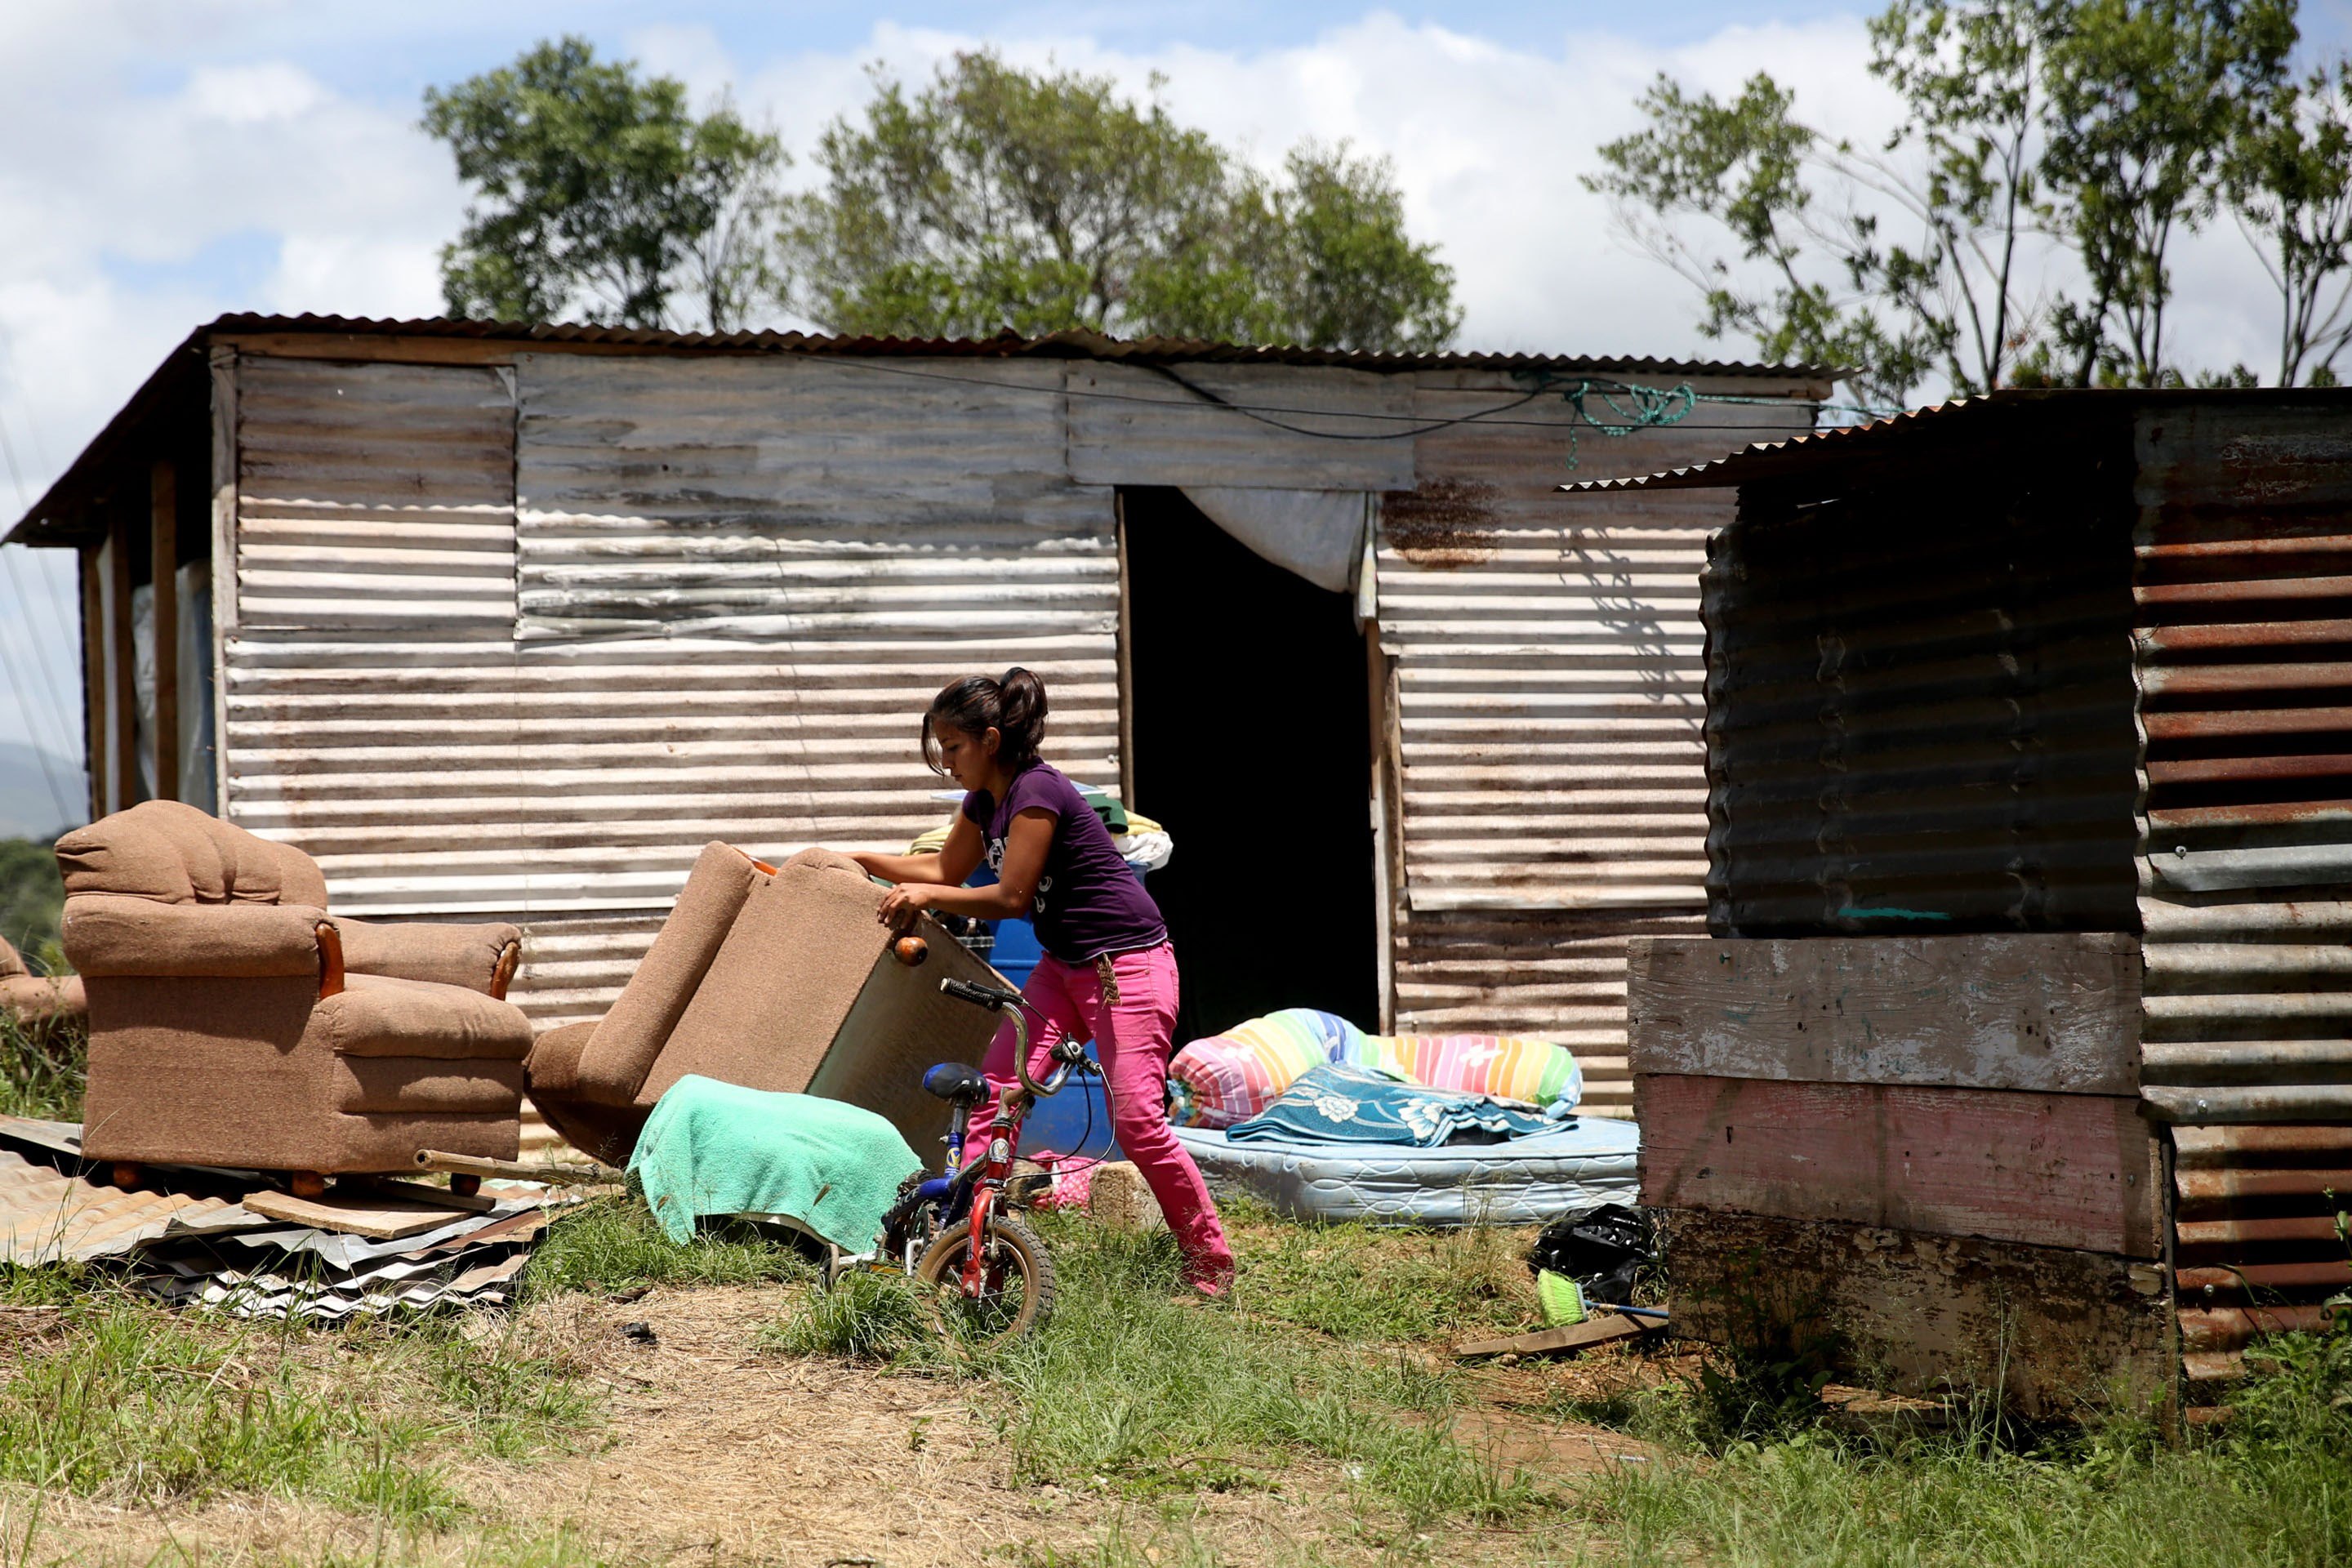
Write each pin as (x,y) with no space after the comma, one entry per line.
(1014,707)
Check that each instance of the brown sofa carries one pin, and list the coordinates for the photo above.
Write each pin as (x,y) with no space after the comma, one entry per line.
(234,1022)
(35,1000)
(773,978)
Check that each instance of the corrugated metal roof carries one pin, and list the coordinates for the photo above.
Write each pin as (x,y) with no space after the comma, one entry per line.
(1981,420)
(1077,344)
(59,517)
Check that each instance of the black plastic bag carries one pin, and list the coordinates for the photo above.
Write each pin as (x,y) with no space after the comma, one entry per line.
(1602,1249)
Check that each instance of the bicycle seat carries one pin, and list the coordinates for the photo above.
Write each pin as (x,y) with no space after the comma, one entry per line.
(956,1083)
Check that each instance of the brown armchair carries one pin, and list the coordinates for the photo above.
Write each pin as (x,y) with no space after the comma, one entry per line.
(773,978)
(233,1021)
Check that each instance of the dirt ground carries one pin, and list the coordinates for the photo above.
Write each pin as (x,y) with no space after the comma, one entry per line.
(725,1454)
(713,1452)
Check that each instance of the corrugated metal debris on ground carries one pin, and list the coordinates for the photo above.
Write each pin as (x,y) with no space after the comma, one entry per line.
(2243,583)
(188,1241)
(1547,667)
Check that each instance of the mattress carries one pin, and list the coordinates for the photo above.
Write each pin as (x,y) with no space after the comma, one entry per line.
(1526,1181)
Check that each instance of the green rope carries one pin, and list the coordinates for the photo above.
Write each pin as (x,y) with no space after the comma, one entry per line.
(1644,408)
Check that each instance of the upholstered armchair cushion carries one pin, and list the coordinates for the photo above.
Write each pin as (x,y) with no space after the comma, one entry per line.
(174,854)
(375,1016)
(612,1066)
(109,934)
(29,998)
(478,957)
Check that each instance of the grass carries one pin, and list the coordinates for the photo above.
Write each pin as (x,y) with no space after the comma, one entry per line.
(611,1243)
(129,1404)
(42,1070)
(1134,1387)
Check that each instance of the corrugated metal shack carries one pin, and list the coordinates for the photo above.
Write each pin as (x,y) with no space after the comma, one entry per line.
(2080,661)
(507,620)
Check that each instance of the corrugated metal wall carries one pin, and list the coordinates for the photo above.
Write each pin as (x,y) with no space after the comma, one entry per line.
(1545,668)
(516,641)
(2244,635)
(1920,707)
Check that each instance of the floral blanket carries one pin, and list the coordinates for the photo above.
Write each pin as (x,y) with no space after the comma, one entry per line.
(1343,1104)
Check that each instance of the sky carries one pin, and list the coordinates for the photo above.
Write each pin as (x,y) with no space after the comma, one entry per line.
(169,159)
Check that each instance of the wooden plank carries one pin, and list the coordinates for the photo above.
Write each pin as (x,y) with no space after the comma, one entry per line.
(121,684)
(379,1219)
(1592,1331)
(422,1192)
(2059,1170)
(2058,1331)
(163,533)
(2056,1014)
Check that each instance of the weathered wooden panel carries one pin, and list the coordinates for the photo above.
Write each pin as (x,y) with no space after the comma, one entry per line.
(2057,1332)
(1257,427)
(2057,1013)
(2060,1170)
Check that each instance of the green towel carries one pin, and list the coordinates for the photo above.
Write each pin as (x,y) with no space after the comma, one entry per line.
(716,1148)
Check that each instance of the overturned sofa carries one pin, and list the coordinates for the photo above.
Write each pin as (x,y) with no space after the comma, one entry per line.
(768,977)
(33,1000)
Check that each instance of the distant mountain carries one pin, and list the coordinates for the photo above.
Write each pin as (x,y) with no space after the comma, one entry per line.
(28,806)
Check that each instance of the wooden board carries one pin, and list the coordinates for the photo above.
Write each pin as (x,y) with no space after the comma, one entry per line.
(2058,1331)
(2055,1014)
(425,1193)
(1600,1330)
(379,1219)
(2061,1170)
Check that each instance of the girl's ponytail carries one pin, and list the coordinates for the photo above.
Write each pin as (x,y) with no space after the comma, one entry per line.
(1014,707)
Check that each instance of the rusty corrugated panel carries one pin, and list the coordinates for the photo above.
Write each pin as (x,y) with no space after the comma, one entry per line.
(1919,705)
(2244,639)
(1546,663)
(48,1217)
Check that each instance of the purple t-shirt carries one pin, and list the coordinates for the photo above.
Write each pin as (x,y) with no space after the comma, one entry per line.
(1088,903)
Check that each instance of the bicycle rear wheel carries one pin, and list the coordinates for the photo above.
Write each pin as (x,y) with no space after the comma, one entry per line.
(1017,1288)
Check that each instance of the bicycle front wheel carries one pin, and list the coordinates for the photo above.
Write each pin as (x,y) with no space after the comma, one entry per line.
(1016,1293)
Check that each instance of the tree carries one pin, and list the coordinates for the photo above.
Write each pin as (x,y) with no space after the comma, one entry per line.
(600,194)
(996,197)
(1968,73)
(2289,182)
(2144,98)
(1745,166)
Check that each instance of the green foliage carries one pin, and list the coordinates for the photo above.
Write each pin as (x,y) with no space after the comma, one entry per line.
(611,1243)
(32,901)
(601,193)
(2110,126)
(2145,97)
(1743,166)
(44,1069)
(2289,180)
(996,198)
(1465,1283)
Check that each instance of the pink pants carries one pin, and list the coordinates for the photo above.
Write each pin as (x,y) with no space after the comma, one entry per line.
(1133,1037)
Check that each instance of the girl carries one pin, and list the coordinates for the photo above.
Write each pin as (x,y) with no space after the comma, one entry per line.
(1109,974)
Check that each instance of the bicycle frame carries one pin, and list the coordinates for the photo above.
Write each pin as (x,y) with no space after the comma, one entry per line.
(972,1190)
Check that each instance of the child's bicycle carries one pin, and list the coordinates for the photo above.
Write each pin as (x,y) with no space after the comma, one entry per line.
(985,1273)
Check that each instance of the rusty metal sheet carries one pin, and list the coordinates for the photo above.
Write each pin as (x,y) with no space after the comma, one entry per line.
(48,1217)
(2243,648)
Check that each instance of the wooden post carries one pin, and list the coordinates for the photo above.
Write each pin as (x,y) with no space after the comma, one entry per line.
(164,496)
(93,676)
(121,681)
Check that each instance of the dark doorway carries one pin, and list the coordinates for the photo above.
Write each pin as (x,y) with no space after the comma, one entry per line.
(1252,735)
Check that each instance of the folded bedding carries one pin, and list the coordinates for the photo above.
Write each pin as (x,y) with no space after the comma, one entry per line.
(1339,1103)
(1229,1078)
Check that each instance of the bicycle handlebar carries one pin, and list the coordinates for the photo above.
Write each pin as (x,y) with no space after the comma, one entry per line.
(988,996)
(1011,1004)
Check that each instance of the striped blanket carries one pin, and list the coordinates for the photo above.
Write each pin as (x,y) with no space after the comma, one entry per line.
(1231,1077)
